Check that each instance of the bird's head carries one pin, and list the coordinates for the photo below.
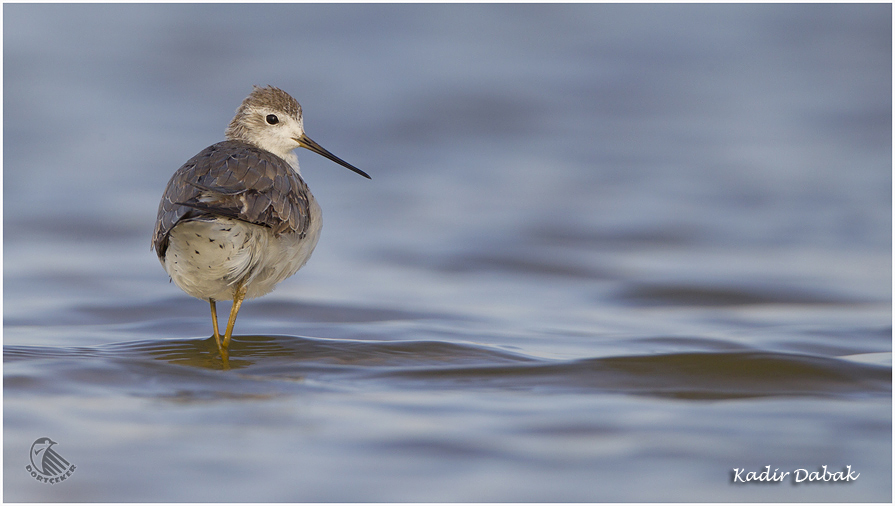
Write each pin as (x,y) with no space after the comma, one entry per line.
(270,119)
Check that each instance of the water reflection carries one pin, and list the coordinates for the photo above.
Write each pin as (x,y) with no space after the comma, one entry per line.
(441,365)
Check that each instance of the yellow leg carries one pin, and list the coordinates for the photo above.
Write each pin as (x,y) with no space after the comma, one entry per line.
(217,333)
(237,301)
(214,322)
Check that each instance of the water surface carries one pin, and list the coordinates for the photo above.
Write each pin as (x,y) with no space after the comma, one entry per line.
(608,253)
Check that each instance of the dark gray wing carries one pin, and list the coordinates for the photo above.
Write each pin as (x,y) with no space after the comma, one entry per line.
(235,180)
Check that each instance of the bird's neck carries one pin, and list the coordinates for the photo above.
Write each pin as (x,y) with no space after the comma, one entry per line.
(291,159)
(285,153)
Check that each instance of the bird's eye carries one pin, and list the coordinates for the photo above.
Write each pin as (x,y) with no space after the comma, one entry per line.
(272,119)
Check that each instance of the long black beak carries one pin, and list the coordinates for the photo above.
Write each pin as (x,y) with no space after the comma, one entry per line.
(306,142)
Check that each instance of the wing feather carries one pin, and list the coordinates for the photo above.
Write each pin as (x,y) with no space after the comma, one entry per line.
(234,180)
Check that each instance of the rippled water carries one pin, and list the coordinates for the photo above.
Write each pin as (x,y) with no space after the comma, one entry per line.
(608,253)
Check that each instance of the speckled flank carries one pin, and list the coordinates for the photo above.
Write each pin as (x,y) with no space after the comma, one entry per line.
(207,258)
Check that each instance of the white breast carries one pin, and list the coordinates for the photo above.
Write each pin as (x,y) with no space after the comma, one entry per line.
(209,259)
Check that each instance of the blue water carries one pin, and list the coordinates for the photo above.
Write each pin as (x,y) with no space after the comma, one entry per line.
(608,253)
